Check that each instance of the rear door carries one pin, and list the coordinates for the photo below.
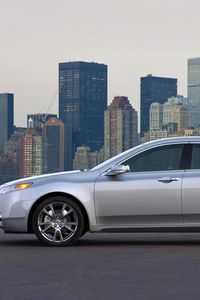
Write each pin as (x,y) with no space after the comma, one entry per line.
(191,188)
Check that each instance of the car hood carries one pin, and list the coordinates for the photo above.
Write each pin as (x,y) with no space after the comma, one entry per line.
(39,177)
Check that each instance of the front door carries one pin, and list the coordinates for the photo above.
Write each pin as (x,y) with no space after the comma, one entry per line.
(148,196)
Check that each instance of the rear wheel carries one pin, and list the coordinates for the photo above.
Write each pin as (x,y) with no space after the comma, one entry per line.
(58,221)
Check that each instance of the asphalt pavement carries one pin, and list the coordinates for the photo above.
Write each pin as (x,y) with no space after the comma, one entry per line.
(100,267)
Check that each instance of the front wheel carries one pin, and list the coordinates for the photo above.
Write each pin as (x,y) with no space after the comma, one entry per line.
(58,221)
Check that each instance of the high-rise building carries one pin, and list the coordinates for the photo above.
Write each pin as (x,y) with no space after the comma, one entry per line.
(120,127)
(6,118)
(194,81)
(13,145)
(156,116)
(82,101)
(176,110)
(31,154)
(194,112)
(39,120)
(154,89)
(53,131)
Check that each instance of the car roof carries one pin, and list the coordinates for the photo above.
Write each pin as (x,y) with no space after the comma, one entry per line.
(142,147)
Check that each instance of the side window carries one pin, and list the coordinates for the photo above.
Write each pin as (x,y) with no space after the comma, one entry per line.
(157,159)
(195,164)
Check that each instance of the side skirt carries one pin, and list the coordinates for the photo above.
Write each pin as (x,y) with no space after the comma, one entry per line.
(146,229)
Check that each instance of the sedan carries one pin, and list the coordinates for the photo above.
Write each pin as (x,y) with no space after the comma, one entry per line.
(152,187)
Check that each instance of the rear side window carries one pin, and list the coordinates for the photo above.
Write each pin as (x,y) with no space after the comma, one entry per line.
(195,164)
(157,159)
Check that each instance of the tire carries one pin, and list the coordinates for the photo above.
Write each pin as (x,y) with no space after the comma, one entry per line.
(58,221)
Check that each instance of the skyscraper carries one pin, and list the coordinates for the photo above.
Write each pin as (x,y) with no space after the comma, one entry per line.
(194,81)
(53,131)
(156,116)
(176,111)
(154,89)
(31,154)
(121,127)
(6,118)
(82,101)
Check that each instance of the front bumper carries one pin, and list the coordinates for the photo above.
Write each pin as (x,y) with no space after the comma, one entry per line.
(14,210)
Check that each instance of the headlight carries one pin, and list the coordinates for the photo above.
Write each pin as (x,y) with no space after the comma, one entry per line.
(15,187)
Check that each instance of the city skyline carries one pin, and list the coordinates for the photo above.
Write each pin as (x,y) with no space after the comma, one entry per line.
(83,96)
(133,38)
(55,99)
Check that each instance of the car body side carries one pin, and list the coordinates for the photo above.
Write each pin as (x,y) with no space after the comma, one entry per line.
(16,207)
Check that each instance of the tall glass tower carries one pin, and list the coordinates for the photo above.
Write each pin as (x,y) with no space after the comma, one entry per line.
(82,101)
(194,81)
(154,89)
(53,130)
(6,118)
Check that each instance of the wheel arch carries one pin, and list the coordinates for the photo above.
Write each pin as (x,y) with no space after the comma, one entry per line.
(49,195)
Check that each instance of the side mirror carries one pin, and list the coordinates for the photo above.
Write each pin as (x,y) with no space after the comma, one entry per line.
(116,170)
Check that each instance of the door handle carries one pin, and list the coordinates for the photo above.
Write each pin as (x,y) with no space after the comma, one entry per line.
(168,179)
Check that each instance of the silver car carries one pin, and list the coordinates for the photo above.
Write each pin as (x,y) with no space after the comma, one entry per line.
(152,187)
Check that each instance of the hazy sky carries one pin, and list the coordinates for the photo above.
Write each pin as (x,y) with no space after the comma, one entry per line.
(133,37)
